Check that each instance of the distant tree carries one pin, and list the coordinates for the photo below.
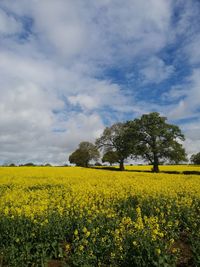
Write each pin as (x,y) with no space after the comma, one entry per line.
(12,165)
(47,165)
(29,164)
(195,159)
(8,164)
(84,154)
(97,164)
(114,139)
(155,140)
(111,157)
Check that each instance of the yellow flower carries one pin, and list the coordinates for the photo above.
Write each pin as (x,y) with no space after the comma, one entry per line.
(84,230)
(161,234)
(112,255)
(135,243)
(67,247)
(89,195)
(87,234)
(81,247)
(76,232)
(174,250)
(158,251)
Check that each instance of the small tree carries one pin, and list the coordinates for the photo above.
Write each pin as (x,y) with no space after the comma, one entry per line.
(155,140)
(111,157)
(84,154)
(114,139)
(12,165)
(195,159)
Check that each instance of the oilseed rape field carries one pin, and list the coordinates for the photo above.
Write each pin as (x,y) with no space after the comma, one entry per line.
(72,216)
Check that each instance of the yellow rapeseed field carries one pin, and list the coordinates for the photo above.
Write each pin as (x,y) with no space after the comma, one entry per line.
(97,217)
(173,168)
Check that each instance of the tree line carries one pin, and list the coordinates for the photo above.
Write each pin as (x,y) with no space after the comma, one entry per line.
(149,137)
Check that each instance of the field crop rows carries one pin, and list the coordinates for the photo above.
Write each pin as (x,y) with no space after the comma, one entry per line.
(86,217)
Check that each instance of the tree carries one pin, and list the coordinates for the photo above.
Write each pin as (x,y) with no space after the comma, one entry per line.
(155,140)
(195,159)
(114,139)
(84,154)
(12,165)
(29,164)
(111,157)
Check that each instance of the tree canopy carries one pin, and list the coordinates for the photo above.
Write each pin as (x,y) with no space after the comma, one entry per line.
(84,154)
(195,159)
(114,139)
(155,140)
(149,137)
(111,157)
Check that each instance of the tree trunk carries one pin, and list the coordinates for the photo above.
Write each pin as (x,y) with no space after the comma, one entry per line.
(155,163)
(155,168)
(86,164)
(121,165)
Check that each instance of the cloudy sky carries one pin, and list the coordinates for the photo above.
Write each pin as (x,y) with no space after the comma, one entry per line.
(68,68)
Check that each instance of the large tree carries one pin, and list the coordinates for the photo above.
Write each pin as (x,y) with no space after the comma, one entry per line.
(195,159)
(114,139)
(84,154)
(155,140)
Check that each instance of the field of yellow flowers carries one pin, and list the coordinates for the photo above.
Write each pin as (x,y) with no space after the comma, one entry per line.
(71,216)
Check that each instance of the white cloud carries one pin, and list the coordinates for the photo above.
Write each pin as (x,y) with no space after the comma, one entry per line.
(192,142)
(189,98)
(8,24)
(192,50)
(98,30)
(155,71)
(53,84)
(100,94)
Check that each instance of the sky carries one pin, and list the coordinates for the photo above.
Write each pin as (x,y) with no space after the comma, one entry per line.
(69,68)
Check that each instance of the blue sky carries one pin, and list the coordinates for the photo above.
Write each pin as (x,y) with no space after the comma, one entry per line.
(68,68)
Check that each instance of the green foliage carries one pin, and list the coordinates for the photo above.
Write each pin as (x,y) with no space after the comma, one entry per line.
(139,235)
(111,157)
(149,137)
(195,159)
(29,164)
(155,140)
(95,217)
(84,154)
(114,139)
